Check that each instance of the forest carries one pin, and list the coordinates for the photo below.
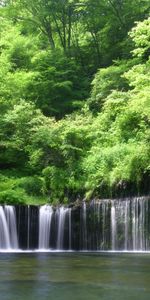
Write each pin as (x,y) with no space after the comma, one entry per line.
(74,100)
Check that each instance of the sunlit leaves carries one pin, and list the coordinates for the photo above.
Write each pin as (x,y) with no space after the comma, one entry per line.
(141,36)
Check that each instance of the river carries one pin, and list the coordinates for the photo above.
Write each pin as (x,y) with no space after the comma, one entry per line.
(74,276)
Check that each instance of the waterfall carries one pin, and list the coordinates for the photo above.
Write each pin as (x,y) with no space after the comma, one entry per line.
(8,230)
(45,219)
(12,227)
(69,219)
(121,224)
(126,224)
(84,226)
(105,206)
(4,232)
(28,229)
(139,214)
(61,214)
(113,226)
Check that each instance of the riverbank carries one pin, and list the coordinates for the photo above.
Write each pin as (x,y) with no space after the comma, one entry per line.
(19,188)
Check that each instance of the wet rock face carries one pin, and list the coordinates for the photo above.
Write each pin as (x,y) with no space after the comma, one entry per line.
(122,224)
(27,226)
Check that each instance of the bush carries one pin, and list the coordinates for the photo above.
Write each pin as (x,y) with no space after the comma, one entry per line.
(32,185)
(12,197)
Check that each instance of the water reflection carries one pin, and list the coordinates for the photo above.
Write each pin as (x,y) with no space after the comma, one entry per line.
(74,276)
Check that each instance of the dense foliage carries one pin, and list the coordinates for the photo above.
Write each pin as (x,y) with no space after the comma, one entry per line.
(74,99)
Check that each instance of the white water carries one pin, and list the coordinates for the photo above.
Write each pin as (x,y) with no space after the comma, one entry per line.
(70,233)
(84,226)
(8,229)
(113,226)
(128,223)
(105,225)
(61,213)
(123,225)
(139,238)
(45,219)
(12,227)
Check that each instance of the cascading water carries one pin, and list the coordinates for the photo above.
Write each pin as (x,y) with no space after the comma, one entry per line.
(139,215)
(84,226)
(121,224)
(70,235)
(12,228)
(45,219)
(61,213)
(113,226)
(4,232)
(129,228)
(126,225)
(8,230)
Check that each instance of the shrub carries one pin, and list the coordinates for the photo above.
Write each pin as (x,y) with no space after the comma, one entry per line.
(32,185)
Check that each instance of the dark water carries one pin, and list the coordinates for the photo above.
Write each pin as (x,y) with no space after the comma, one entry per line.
(80,276)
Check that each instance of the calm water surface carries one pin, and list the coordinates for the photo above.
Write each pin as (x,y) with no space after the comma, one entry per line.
(74,276)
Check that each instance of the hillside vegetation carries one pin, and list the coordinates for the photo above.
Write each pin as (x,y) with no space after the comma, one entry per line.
(74,100)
